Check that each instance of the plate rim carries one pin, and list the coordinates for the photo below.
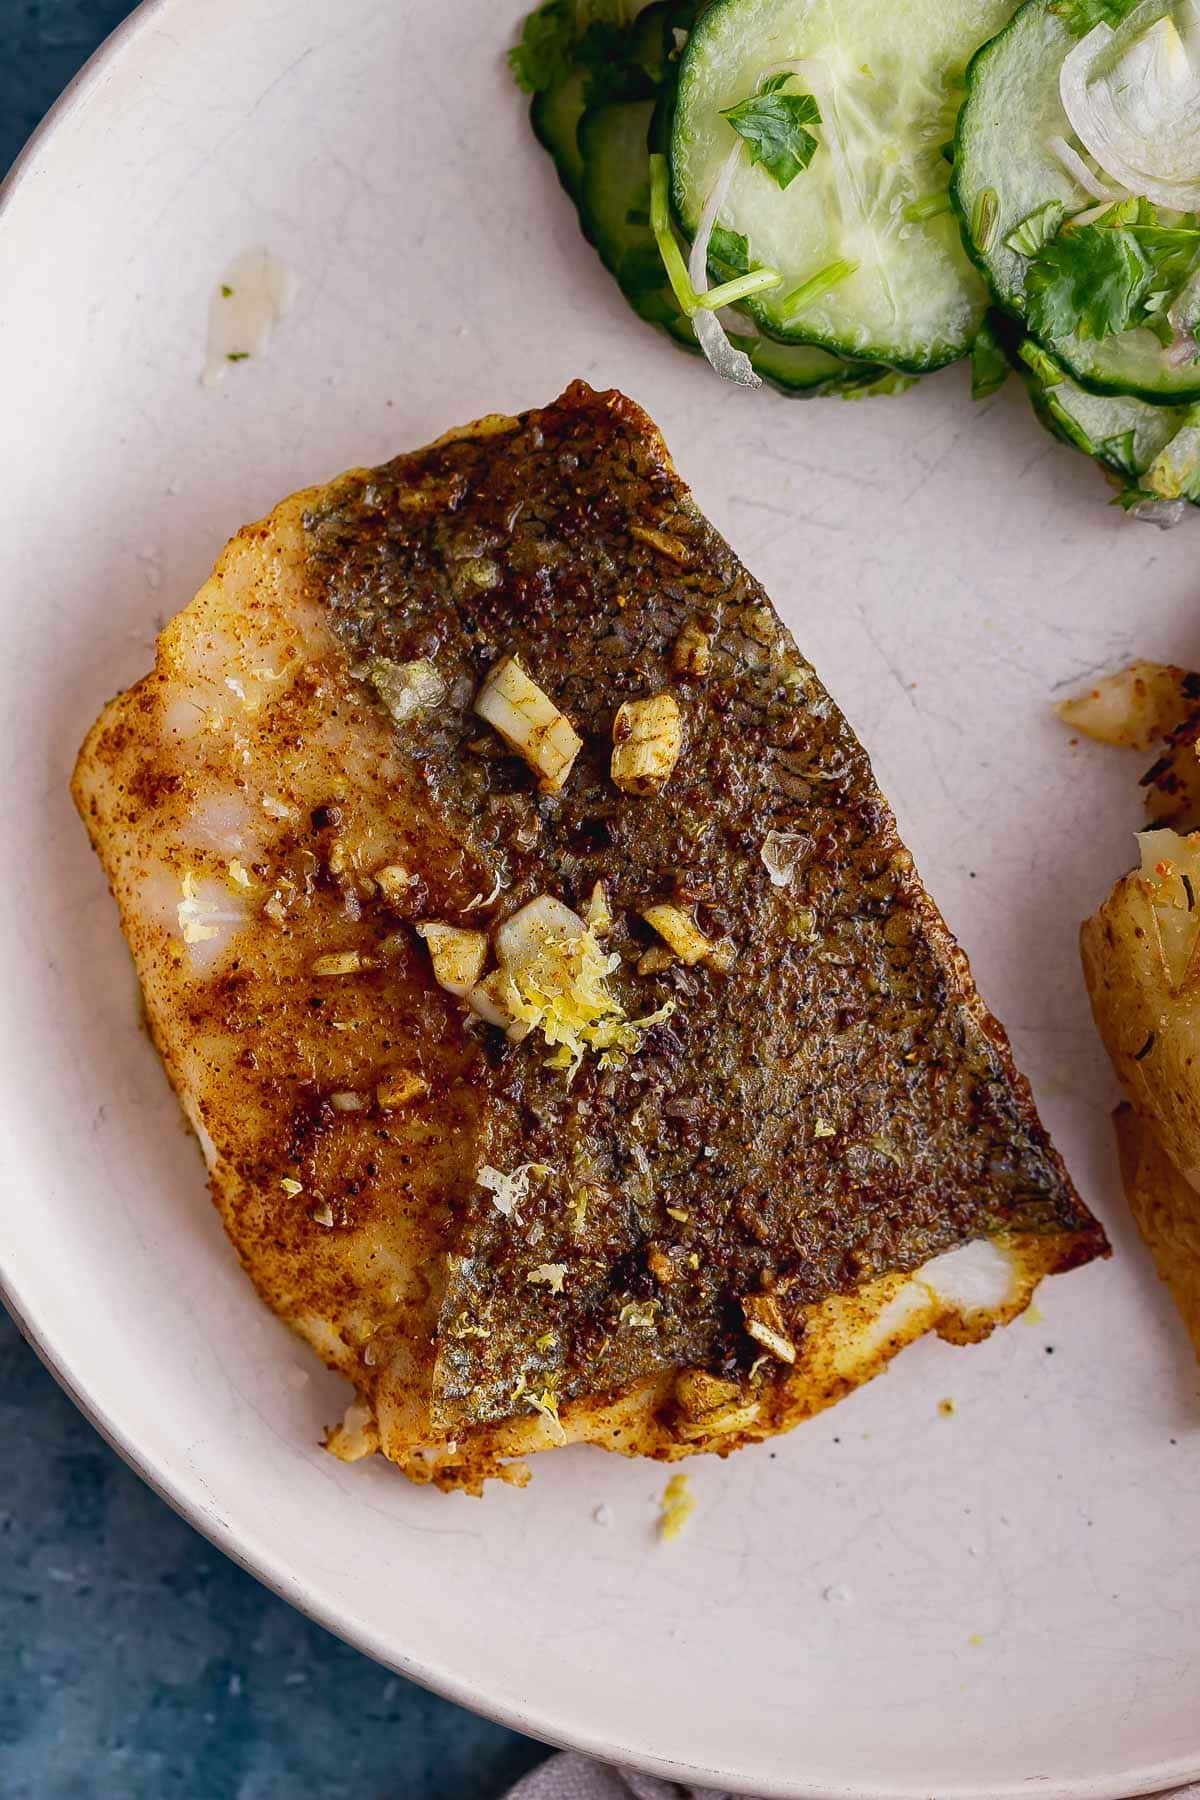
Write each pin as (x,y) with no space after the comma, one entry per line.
(281,1577)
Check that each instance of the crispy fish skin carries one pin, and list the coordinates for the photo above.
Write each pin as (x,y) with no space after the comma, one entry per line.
(836,1105)
(244,797)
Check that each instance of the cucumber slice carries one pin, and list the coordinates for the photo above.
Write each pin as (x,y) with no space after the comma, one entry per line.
(1005,170)
(1124,434)
(638,59)
(887,79)
(806,368)
(1141,443)
(555,114)
(614,212)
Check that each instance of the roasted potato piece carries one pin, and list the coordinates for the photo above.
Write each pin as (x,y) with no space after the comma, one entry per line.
(1167,1210)
(1143,974)
(1136,708)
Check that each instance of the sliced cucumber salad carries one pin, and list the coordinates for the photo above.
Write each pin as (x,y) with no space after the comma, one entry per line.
(829,195)
(869,257)
(1153,452)
(1098,273)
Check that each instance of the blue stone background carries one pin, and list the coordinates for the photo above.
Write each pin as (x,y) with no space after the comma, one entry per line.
(136,1662)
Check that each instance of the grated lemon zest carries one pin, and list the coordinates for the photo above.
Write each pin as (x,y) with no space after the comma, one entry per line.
(509,1191)
(552,1274)
(575,1010)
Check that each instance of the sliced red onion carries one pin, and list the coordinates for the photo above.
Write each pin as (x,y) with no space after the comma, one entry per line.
(729,362)
(1133,99)
(1079,172)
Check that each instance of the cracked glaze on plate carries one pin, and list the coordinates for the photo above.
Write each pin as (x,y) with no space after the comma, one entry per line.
(897,1601)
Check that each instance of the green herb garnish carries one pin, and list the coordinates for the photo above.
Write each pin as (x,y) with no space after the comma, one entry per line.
(1036,228)
(1121,451)
(612,75)
(775,125)
(543,54)
(226,291)
(1041,363)
(989,365)
(664,237)
(931,207)
(237,356)
(829,277)
(729,249)
(984,219)
(1093,282)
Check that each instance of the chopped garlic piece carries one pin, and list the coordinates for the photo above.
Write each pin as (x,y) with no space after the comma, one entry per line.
(347,1101)
(552,1274)
(529,722)
(401,1088)
(322,1215)
(681,932)
(277,808)
(409,690)
(655,960)
(458,955)
(663,541)
(239,875)
(781,852)
(598,917)
(691,652)
(496,1001)
(678,1503)
(291,1187)
(719,1423)
(765,1324)
(393,881)
(647,738)
(342,962)
(639,1315)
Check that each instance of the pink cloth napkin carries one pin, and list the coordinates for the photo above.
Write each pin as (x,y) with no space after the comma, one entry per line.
(572,1777)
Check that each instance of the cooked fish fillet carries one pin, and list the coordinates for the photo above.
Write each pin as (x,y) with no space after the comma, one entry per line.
(764,1134)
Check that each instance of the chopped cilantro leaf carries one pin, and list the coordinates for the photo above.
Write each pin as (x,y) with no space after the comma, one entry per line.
(541,58)
(226,291)
(1120,451)
(1093,281)
(237,356)
(613,75)
(1036,228)
(775,125)
(730,249)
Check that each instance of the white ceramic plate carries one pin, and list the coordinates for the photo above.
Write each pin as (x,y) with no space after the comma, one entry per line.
(892,1602)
